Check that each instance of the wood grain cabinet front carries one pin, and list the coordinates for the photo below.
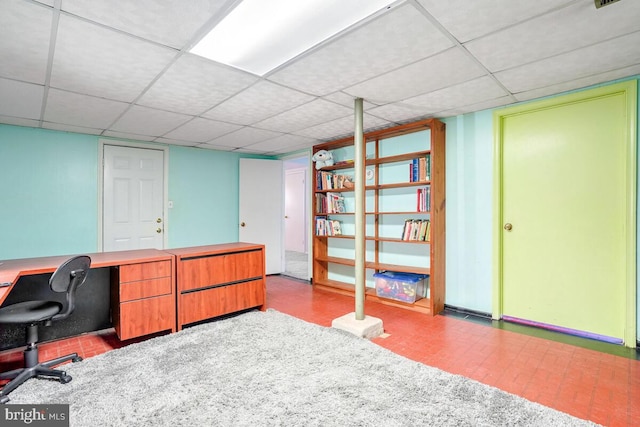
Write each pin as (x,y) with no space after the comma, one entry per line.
(143,298)
(219,279)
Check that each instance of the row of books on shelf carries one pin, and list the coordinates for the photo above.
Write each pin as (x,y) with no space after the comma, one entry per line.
(420,169)
(416,229)
(423,199)
(332,181)
(330,203)
(328,227)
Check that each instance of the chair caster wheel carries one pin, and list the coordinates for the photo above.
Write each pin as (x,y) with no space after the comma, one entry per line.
(65,379)
(76,359)
(4,399)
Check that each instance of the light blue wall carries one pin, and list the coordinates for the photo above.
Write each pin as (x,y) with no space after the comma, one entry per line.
(469,166)
(49,194)
(203,186)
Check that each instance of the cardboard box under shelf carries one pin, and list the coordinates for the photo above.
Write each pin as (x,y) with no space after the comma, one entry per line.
(405,287)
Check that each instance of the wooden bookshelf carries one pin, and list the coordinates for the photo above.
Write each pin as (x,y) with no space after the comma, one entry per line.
(330,258)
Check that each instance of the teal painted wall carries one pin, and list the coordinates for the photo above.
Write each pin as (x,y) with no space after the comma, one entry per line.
(48,188)
(469,163)
(49,194)
(203,186)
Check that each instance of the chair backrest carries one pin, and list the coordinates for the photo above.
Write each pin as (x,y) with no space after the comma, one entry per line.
(67,278)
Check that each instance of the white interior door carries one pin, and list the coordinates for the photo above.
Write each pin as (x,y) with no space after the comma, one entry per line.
(133,208)
(262,207)
(294,210)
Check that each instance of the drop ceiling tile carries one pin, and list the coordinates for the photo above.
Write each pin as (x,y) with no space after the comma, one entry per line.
(243,137)
(467,20)
(603,57)
(170,23)
(260,101)
(566,29)
(347,100)
(484,105)
(82,110)
(399,37)
(292,149)
(284,144)
(441,70)
(399,113)
(24,41)
(17,121)
(47,2)
(342,127)
(176,142)
(215,147)
(71,128)
(307,115)
(579,83)
(126,135)
(97,61)
(147,121)
(467,93)
(20,99)
(193,85)
(201,130)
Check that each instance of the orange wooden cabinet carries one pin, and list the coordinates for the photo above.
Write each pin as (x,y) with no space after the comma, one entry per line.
(143,298)
(219,279)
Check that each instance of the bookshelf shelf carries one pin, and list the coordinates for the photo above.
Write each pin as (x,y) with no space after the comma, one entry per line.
(379,239)
(411,157)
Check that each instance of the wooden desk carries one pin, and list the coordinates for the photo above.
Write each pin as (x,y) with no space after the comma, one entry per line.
(156,290)
(142,286)
(219,279)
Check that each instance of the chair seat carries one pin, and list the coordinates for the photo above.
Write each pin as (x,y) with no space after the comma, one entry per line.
(29,311)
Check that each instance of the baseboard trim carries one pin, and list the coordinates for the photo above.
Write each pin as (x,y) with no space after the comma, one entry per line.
(466,312)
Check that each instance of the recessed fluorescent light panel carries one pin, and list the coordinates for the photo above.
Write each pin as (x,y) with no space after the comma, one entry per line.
(259,35)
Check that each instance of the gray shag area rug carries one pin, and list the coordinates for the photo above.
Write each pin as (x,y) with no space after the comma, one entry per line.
(268,368)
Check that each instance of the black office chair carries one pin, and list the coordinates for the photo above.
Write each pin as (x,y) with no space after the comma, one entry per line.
(67,278)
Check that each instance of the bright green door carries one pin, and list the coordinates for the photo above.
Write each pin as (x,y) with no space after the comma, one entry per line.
(565,191)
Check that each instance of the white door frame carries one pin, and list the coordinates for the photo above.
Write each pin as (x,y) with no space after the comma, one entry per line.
(165,190)
(308,206)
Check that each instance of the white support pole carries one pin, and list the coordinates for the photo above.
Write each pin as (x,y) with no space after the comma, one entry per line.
(359,166)
(358,323)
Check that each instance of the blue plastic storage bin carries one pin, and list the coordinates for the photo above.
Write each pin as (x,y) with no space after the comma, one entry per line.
(405,287)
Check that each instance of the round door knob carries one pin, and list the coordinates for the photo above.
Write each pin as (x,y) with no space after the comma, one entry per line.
(242,224)
(158,230)
(159,220)
(508,226)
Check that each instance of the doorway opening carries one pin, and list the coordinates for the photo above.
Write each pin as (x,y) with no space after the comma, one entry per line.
(296,222)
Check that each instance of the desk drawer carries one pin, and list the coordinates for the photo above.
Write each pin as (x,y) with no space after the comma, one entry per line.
(144,271)
(205,304)
(145,289)
(146,316)
(202,272)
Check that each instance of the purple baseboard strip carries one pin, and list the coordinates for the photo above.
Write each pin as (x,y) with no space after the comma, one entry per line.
(564,330)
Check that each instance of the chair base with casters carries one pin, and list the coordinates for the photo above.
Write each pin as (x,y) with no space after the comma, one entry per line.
(32,368)
(66,279)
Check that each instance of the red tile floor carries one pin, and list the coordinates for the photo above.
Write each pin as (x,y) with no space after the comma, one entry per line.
(589,384)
